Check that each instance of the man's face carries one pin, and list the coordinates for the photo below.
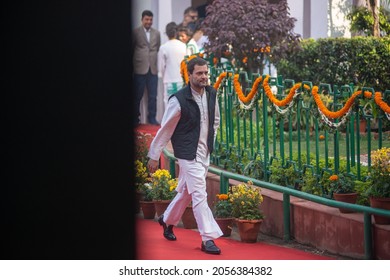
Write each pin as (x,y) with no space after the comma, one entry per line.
(199,78)
(190,17)
(147,22)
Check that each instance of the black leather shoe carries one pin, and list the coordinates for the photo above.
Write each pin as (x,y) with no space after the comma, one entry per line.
(168,230)
(210,248)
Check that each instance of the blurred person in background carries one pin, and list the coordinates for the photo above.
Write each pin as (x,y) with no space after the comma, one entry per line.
(170,57)
(199,37)
(185,35)
(190,16)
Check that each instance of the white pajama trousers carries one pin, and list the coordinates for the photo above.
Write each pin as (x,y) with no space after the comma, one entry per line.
(192,185)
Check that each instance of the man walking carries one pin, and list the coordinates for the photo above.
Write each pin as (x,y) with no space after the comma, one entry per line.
(146,43)
(190,122)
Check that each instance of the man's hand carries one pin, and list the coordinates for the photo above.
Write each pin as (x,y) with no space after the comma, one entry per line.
(152,165)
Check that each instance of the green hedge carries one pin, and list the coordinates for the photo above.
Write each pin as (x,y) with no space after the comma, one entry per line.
(363,61)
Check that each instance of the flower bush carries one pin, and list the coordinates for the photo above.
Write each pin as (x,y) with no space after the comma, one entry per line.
(163,185)
(380,173)
(142,181)
(338,183)
(223,207)
(245,200)
(142,143)
(141,175)
(147,192)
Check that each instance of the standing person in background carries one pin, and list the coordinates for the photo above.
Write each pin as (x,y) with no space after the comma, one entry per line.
(199,37)
(146,44)
(185,35)
(189,17)
(190,122)
(170,57)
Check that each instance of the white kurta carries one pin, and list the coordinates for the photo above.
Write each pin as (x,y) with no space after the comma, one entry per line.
(192,175)
(170,57)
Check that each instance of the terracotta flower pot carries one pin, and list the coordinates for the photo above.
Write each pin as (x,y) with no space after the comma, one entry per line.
(225,224)
(345,197)
(161,206)
(188,219)
(249,230)
(383,203)
(138,197)
(148,209)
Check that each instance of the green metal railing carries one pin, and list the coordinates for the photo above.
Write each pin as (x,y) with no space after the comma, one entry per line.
(264,130)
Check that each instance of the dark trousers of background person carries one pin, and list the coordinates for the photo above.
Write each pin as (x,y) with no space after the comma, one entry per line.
(150,82)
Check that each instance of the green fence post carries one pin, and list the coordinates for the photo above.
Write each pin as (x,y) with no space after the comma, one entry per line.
(172,167)
(368,252)
(223,183)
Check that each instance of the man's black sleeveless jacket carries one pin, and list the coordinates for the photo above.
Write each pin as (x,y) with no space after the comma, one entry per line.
(186,135)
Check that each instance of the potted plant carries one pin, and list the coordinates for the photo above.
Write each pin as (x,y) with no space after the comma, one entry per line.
(246,200)
(379,189)
(142,143)
(147,204)
(163,189)
(223,214)
(340,187)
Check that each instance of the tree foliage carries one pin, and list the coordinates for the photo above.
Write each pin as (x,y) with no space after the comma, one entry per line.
(246,28)
(364,61)
(362,20)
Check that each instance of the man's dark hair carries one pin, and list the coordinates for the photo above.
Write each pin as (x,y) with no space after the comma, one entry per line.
(171,30)
(190,9)
(147,13)
(195,61)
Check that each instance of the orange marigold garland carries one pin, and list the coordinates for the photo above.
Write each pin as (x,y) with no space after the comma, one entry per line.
(343,112)
(220,78)
(286,100)
(183,68)
(251,94)
(330,114)
(382,104)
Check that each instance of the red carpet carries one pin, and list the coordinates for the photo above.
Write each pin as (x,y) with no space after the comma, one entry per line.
(153,246)
(147,128)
